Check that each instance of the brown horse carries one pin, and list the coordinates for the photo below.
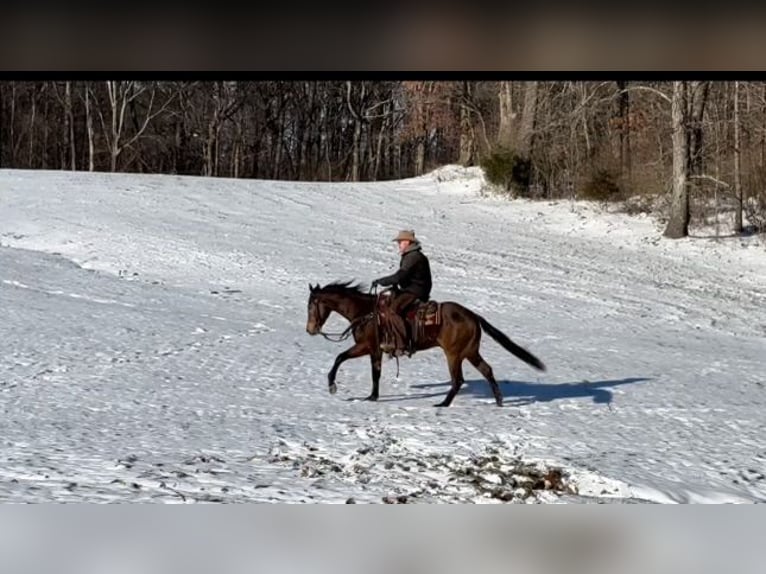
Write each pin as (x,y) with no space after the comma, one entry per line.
(454,328)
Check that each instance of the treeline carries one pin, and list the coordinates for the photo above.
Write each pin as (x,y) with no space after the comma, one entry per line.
(543,139)
(287,130)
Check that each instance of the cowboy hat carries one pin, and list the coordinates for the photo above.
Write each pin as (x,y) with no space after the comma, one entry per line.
(406,235)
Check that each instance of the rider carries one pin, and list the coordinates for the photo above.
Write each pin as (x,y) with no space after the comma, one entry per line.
(413,280)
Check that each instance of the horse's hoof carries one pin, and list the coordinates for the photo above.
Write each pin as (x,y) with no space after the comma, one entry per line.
(333,389)
(442,404)
(499,403)
(372,398)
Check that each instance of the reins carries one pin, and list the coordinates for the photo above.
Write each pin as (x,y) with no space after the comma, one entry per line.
(346,333)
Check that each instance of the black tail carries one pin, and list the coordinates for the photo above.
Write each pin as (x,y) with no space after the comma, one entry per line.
(509,345)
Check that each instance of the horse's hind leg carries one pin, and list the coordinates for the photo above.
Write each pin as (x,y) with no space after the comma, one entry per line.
(455,363)
(375,362)
(483,367)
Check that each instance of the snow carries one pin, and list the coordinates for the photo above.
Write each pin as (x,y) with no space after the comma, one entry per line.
(154,347)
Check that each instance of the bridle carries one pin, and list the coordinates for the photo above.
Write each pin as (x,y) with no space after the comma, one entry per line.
(348,331)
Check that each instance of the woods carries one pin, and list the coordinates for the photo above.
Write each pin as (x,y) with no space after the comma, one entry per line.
(685,145)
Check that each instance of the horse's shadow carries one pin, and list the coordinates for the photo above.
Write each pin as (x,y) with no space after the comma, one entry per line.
(523,393)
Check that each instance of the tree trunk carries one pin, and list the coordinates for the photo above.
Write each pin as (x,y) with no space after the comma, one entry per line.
(737,170)
(422,131)
(624,100)
(177,148)
(46,129)
(393,149)
(678,224)
(420,156)
(70,126)
(526,131)
(520,183)
(216,150)
(2,125)
(697,93)
(763,132)
(356,114)
(589,154)
(303,150)
(467,139)
(355,149)
(379,146)
(89,125)
(505,129)
(32,129)
(12,142)
(210,143)
(237,150)
(114,149)
(278,143)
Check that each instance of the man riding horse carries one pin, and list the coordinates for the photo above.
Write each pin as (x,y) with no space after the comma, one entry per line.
(413,284)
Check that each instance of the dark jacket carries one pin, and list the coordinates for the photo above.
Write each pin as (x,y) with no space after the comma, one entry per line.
(414,275)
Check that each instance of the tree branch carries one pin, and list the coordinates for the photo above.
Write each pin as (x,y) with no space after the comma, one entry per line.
(710,178)
(655,91)
(149,117)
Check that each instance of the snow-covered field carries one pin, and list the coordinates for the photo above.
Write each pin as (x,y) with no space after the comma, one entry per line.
(154,347)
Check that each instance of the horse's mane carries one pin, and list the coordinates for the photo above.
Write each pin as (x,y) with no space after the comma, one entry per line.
(343,288)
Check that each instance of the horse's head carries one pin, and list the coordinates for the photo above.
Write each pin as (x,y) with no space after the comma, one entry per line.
(318,310)
(345,298)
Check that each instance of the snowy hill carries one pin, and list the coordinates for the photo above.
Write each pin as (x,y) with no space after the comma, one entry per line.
(154,347)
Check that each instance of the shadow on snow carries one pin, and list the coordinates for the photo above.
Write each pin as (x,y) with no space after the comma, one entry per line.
(523,393)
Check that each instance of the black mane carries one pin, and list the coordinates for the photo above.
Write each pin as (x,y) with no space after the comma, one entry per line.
(343,287)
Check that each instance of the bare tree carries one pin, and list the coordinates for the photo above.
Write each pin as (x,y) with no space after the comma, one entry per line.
(69,158)
(120,94)
(505,128)
(31,129)
(12,139)
(357,118)
(69,115)
(570,132)
(528,116)
(624,115)
(467,133)
(89,127)
(737,163)
(678,224)
(225,104)
(2,124)
(697,96)
(419,95)
(687,111)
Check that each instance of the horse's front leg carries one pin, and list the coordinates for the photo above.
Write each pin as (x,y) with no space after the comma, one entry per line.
(358,350)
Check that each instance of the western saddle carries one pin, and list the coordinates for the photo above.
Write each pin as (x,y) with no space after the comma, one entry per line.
(423,320)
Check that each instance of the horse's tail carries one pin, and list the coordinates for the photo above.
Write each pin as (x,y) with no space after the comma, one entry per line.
(509,345)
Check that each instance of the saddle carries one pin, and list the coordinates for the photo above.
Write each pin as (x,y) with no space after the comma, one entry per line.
(423,319)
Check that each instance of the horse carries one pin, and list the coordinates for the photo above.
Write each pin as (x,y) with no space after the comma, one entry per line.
(449,325)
